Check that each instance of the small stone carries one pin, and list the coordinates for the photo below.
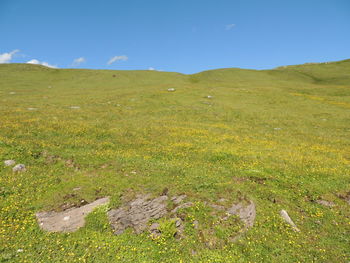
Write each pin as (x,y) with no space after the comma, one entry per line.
(154,226)
(12,93)
(171,89)
(74,107)
(178,222)
(19,168)
(286,218)
(195,224)
(209,97)
(9,162)
(178,199)
(185,205)
(66,218)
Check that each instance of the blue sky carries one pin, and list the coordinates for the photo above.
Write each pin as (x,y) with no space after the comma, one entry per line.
(186,36)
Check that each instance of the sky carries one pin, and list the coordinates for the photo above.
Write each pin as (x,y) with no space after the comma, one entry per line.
(186,36)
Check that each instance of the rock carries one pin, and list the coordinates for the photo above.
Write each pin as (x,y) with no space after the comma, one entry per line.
(9,162)
(137,213)
(325,203)
(69,220)
(179,228)
(171,89)
(154,226)
(245,211)
(208,97)
(178,199)
(217,207)
(286,218)
(184,205)
(19,168)
(154,230)
(178,222)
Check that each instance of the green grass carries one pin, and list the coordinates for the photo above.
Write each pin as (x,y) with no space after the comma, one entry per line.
(279,137)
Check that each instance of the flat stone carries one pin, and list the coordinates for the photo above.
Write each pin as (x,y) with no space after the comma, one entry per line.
(137,213)
(69,220)
(9,162)
(245,211)
(19,168)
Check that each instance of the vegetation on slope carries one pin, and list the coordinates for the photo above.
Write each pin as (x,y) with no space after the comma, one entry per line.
(279,137)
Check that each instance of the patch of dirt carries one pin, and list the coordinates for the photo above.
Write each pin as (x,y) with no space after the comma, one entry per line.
(69,220)
(325,203)
(345,196)
(258,180)
(52,159)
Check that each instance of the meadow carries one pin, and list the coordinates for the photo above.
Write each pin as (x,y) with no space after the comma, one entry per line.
(279,137)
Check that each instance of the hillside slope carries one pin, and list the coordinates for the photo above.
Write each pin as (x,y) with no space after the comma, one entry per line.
(277,137)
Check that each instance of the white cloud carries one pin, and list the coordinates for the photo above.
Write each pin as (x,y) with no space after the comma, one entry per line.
(230,26)
(78,61)
(116,58)
(6,57)
(37,62)
(153,69)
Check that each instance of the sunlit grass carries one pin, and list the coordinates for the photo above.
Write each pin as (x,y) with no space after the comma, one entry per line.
(279,137)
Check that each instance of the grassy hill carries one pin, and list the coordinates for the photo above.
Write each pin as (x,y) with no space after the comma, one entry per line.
(278,137)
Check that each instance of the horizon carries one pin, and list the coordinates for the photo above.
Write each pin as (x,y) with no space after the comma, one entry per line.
(184,37)
(154,70)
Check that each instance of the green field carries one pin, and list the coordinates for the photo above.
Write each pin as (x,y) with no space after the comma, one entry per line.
(278,137)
